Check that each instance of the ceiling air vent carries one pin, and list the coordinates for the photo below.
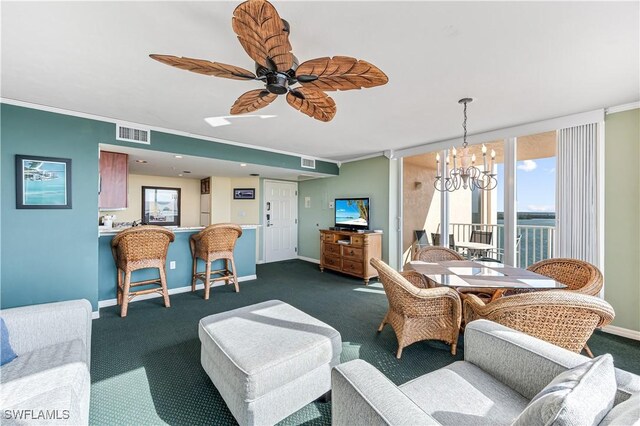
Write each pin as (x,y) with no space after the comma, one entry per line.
(132,134)
(307,163)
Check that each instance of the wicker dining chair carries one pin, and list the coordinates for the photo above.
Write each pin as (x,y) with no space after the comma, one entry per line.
(137,248)
(418,313)
(437,254)
(577,275)
(215,242)
(563,318)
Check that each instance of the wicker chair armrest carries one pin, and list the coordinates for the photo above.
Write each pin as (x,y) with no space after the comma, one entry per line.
(472,307)
(435,301)
(417,279)
(557,298)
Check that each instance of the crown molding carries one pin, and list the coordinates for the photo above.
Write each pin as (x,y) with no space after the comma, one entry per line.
(623,107)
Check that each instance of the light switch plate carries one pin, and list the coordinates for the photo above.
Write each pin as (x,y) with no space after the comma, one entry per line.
(307,202)
(172,264)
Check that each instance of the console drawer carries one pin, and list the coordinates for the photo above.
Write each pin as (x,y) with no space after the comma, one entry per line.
(352,267)
(357,240)
(331,262)
(332,249)
(352,252)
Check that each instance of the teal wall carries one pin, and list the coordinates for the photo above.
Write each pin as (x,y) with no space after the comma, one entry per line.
(622,212)
(366,178)
(244,256)
(50,255)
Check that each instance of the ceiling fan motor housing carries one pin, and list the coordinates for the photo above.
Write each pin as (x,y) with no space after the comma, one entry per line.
(278,83)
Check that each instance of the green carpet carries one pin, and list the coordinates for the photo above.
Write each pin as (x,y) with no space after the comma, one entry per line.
(145,368)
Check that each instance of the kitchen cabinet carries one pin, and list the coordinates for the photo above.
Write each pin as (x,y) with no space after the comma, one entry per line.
(114,176)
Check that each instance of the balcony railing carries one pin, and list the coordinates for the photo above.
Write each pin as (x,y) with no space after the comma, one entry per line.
(536,242)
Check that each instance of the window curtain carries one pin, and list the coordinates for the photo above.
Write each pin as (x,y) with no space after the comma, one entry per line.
(576,195)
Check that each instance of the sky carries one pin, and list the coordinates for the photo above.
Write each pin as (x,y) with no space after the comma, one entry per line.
(536,185)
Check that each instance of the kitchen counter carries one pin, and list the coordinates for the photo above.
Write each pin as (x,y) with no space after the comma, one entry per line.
(178,256)
(114,231)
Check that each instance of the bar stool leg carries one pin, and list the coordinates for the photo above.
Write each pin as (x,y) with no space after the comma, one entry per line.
(207,280)
(119,286)
(125,295)
(163,282)
(193,276)
(235,276)
(227,272)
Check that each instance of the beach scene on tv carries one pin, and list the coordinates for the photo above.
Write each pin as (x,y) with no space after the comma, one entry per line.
(352,212)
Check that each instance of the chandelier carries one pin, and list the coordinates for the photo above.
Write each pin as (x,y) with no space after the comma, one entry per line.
(466,174)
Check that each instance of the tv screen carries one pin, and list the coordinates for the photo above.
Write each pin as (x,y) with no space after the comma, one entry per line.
(352,213)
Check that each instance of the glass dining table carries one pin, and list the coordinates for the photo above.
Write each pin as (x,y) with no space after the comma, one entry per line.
(479,275)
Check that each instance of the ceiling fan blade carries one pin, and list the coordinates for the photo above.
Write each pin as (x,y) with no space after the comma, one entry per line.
(251,101)
(202,66)
(262,34)
(314,103)
(339,73)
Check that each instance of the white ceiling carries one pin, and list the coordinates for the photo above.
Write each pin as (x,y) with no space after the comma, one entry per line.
(522,61)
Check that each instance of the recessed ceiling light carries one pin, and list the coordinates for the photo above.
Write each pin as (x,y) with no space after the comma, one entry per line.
(178,156)
(243,164)
(223,119)
(180,174)
(141,161)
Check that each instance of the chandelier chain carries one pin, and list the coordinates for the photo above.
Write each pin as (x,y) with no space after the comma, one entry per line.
(464,126)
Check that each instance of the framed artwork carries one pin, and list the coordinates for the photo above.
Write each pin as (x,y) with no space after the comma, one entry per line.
(43,182)
(244,193)
(161,206)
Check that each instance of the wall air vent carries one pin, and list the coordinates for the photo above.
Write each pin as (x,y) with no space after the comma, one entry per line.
(307,163)
(132,134)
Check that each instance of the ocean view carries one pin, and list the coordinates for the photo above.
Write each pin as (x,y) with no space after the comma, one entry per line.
(536,236)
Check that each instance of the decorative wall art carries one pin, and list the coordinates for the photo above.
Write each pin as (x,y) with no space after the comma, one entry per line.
(43,182)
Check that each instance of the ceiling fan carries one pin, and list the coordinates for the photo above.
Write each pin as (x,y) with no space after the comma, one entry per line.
(265,38)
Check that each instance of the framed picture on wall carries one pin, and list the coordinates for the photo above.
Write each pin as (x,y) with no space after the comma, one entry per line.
(244,193)
(43,182)
(161,206)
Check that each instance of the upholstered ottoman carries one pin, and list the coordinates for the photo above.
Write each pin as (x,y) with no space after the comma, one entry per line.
(268,360)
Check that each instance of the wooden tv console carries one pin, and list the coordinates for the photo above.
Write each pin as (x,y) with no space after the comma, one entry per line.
(352,254)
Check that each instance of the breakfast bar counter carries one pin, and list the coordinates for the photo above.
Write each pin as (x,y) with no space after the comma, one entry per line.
(179,278)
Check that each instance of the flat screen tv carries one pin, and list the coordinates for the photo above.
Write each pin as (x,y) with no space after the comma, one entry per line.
(352,213)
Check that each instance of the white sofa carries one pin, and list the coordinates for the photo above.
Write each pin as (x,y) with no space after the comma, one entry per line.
(49,381)
(502,371)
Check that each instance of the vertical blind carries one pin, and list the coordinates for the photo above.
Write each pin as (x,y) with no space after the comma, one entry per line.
(576,195)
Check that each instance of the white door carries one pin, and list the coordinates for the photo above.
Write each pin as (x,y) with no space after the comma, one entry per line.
(280,220)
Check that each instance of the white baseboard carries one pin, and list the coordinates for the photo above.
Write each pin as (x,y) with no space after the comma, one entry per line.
(620,331)
(177,290)
(259,262)
(309,259)
(95,314)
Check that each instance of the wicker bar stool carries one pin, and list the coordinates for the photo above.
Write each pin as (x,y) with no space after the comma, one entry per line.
(213,243)
(140,248)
